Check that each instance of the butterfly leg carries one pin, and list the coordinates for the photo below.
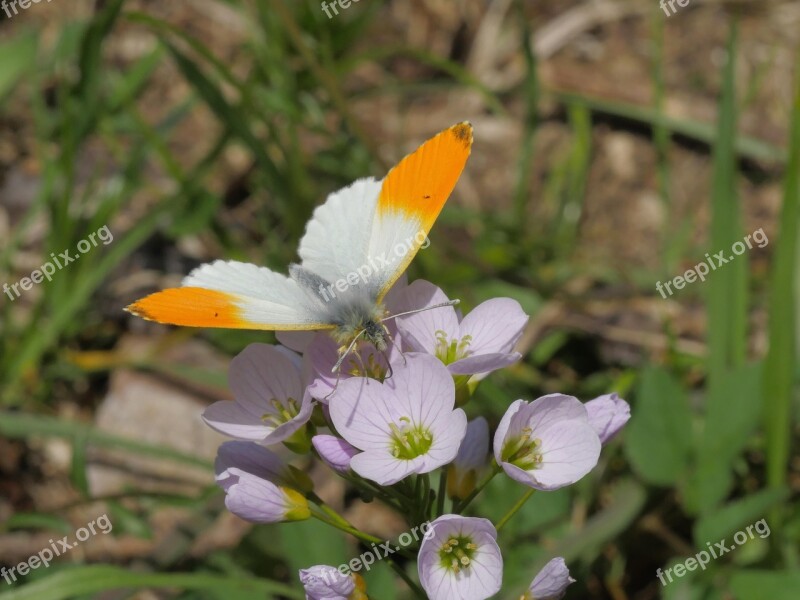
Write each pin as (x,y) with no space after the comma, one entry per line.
(335,385)
(395,344)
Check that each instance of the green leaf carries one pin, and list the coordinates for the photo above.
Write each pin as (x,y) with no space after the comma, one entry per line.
(728,519)
(540,510)
(727,292)
(782,354)
(731,418)
(627,498)
(757,585)
(37,521)
(128,521)
(658,440)
(17,57)
(307,543)
(94,579)
(78,474)
(381,582)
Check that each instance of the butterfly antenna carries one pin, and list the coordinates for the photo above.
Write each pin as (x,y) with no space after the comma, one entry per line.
(411,312)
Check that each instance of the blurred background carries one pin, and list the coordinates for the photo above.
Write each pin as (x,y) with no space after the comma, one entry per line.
(616,144)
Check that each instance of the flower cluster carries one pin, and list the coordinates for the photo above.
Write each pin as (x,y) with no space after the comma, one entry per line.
(392,424)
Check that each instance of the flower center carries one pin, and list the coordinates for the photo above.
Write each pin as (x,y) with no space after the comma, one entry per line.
(282,412)
(409,440)
(524,452)
(457,553)
(449,351)
(372,368)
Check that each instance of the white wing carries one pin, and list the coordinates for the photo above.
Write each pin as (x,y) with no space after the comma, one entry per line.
(336,241)
(235,295)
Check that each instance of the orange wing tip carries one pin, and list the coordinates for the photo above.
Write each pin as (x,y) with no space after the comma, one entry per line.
(420,184)
(190,307)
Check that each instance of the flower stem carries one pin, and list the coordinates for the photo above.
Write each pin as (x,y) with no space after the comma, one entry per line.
(331,517)
(404,576)
(442,492)
(426,496)
(387,495)
(334,519)
(346,527)
(514,509)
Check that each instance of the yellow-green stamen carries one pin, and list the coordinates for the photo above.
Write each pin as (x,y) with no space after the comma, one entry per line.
(409,440)
(449,351)
(457,553)
(524,452)
(284,412)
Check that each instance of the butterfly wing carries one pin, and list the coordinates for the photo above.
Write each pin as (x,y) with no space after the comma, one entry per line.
(234,295)
(412,196)
(355,247)
(365,236)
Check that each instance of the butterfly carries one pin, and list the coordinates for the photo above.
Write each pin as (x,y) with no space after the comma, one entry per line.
(355,247)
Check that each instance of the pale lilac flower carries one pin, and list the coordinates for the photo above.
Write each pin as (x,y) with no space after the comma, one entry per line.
(551,582)
(258,485)
(548,443)
(322,582)
(334,451)
(295,340)
(481,342)
(460,559)
(365,361)
(608,414)
(403,426)
(463,472)
(270,402)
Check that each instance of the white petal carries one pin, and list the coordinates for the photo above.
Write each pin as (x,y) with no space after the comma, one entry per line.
(383,468)
(502,430)
(495,326)
(554,408)
(359,411)
(421,327)
(260,373)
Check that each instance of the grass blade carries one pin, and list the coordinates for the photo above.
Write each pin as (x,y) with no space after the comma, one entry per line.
(781,356)
(93,579)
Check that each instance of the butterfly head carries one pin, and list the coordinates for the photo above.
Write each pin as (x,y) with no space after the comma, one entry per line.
(361,322)
(375,333)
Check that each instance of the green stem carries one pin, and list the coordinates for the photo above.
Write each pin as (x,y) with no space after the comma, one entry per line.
(426,497)
(514,509)
(327,509)
(347,528)
(389,496)
(404,576)
(442,492)
(334,519)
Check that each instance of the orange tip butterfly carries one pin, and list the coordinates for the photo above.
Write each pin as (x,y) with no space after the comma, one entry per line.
(365,234)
